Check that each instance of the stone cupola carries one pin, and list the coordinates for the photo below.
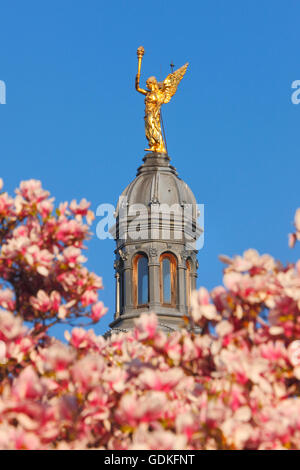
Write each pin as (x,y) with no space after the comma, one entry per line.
(156,232)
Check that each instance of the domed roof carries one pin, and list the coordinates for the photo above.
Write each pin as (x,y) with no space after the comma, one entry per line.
(157,182)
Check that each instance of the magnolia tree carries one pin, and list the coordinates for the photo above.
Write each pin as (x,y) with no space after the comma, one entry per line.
(235,386)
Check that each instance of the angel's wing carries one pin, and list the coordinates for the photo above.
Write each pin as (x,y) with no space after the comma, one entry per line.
(170,84)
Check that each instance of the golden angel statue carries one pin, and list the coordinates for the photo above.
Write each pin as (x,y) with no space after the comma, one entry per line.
(157,93)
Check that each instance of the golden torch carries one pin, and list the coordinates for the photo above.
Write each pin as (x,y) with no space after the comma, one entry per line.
(140,52)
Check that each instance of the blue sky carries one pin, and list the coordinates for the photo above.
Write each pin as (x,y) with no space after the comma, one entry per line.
(74,120)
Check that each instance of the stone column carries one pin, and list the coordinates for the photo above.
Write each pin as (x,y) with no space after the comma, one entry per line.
(117,276)
(127,273)
(194,274)
(154,280)
(181,288)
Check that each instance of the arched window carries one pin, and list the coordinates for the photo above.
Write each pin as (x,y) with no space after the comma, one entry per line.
(188,282)
(168,281)
(140,280)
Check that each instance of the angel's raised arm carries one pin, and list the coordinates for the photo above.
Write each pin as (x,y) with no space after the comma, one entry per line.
(137,85)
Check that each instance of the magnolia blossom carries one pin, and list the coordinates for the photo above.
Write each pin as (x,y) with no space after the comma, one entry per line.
(32,190)
(146,326)
(2,352)
(98,311)
(234,385)
(201,306)
(41,258)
